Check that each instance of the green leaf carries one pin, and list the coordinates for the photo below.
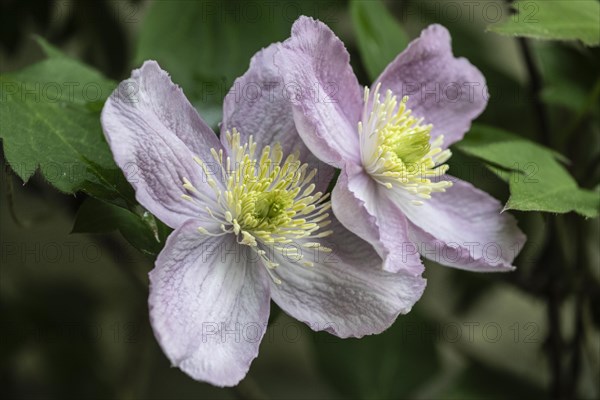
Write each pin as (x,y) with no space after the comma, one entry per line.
(47,121)
(380,37)
(568,96)
(112,187)
(569,74)
(538,182)
(97,216)
(554,20)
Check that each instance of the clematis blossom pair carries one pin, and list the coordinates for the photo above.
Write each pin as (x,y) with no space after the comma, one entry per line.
(251,223)
(393,190)
(251,217)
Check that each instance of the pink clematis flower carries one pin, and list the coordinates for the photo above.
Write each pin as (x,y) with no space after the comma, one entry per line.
(249,218)
(391,149)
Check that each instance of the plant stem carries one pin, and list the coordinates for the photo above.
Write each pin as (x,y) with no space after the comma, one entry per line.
(553,291)
(536,85)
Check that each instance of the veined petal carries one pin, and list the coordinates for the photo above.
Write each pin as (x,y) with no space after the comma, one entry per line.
(360,206)
(257,105)
(345,292)
(447,92)
(323,90)
(465,228)
(154,134)
(155,93)
(209,305)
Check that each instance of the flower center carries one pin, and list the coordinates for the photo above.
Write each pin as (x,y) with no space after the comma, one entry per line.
(270,208)
(267,202)
(397,151)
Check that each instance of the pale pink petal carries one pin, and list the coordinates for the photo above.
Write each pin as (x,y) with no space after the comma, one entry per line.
(465,228)
(326,96)
(447,92)
(209,305)
(257,105)
(360,206)
(154,134)
(346,292)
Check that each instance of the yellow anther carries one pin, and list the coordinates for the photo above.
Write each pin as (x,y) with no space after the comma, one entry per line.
(397,150)
(264,200)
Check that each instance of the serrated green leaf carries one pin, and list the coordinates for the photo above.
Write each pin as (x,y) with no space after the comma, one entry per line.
(554,20)
(97,216)
(537,181)
(47,121)
(380,36)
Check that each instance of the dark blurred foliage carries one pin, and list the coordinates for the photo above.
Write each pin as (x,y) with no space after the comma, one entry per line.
(73,307)
(95,24)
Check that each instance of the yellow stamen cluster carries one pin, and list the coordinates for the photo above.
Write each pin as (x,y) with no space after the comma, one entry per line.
(264,201)
(396,149)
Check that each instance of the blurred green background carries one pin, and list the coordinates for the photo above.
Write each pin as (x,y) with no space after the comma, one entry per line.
(74,321)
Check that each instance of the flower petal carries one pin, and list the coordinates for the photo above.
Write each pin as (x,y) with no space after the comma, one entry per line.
(360,206)
(325,94)
(346,292)
(153,133)
(257,105)
(447,92)
(465,228)
(209,306)
(160,96)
